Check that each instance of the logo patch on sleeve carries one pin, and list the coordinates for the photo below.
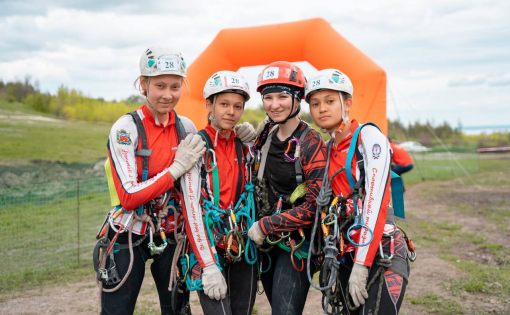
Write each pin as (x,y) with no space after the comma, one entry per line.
(123,137)
(376,151)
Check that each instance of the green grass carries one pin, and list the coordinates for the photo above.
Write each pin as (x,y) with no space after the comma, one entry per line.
(481,278)
(15,107)
(442,166)
(56,141)
(484,265)
(24,139)
(49,234)
(436,304)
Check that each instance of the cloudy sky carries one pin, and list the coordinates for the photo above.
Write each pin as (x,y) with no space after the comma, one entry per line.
(446,60)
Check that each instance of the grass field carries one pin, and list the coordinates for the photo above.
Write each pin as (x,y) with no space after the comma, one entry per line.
(28,136)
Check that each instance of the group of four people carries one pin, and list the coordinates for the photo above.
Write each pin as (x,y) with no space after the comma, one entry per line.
(221,208)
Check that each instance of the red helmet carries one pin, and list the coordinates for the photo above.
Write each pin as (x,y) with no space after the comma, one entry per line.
(281,72)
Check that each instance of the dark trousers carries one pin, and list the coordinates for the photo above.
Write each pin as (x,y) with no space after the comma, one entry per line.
(123,300)
(286,289)
(241,280)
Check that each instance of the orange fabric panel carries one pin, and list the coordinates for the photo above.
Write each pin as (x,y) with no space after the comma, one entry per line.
(312,40)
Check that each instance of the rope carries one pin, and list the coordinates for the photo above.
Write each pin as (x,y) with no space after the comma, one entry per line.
(244,211)
(180,242)
(130,266)
(322,200)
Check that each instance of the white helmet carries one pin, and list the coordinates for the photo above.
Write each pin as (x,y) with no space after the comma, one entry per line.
(161,60)
(330,79)
(226,81)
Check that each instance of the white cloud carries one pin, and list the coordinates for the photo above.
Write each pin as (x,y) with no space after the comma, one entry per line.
(435,52)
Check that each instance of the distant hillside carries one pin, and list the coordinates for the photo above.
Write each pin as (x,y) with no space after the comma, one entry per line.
(27,135)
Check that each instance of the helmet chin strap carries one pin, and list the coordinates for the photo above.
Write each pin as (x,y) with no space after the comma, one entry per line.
(214,123)
(212,118)
(149,103)
(345,118)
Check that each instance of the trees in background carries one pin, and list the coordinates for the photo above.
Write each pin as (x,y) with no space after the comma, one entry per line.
(66,103)
(72,104)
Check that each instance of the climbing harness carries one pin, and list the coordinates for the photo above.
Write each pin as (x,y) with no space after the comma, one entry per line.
(154,213)
(297,248)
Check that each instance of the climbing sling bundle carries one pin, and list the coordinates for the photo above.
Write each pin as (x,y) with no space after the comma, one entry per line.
(227,229)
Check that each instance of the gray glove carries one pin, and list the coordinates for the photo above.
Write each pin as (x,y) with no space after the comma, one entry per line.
(188,152)
(214,283)
(245,132)
(261,126)
(358,284)
(256,234)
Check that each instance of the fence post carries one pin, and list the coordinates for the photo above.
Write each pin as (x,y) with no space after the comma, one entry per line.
(78,221)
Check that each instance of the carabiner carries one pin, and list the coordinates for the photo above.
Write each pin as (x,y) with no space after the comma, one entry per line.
(358,225)
(281,237)
(213,160)
(289,147)
(231,236)
(392,249)
(302,234)
(325,228)
(293,248)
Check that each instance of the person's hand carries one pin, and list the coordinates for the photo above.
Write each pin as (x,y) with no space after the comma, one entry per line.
(214,283)
(245,132)
(188,152)
(256,234)
(261,126)
(358,284)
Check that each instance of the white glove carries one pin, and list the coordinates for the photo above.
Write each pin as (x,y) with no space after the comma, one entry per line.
(256,234)
(214,283)
(358,284)
(245,132)
(188,152)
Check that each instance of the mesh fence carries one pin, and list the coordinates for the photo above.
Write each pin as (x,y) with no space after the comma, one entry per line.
(50,225)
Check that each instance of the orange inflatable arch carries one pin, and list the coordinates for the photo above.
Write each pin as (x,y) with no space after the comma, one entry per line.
(312,40)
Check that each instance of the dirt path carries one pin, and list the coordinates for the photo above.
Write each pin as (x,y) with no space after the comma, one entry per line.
(430,275)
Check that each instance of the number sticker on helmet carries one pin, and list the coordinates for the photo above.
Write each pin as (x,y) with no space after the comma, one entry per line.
(168,63)
(271,73)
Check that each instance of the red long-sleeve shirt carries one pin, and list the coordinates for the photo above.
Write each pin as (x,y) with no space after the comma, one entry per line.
(127,167)
(374,148)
